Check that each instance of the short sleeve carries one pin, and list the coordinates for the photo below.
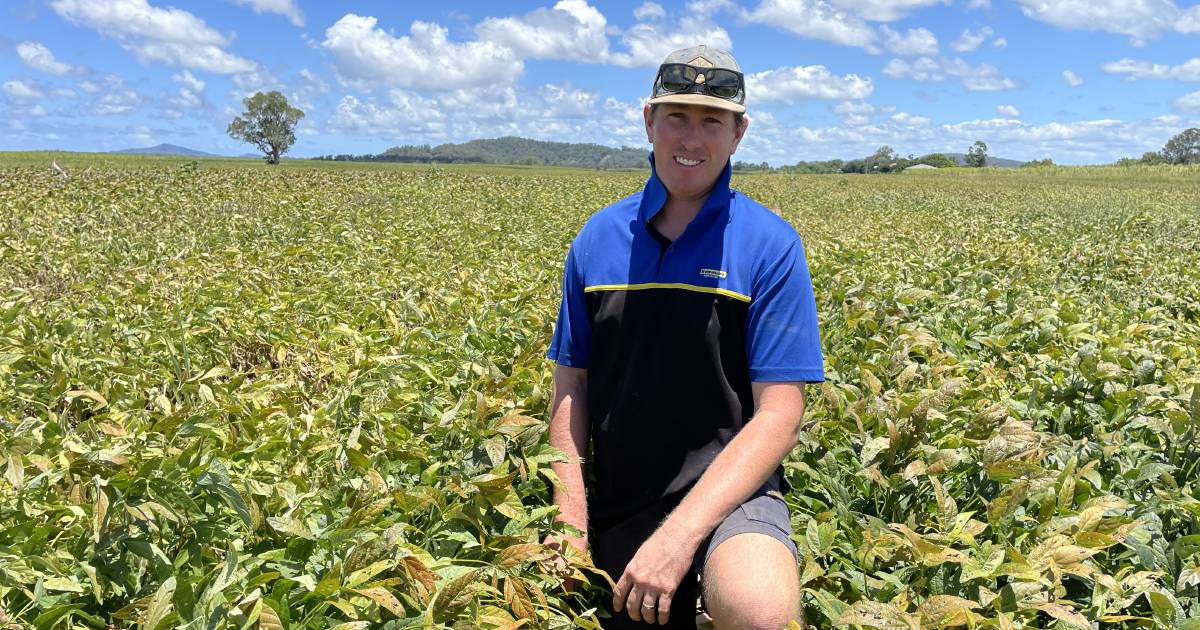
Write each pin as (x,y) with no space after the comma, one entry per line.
(572,342)
(783,343)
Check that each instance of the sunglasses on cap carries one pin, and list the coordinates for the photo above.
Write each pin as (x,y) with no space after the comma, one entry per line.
(676,78)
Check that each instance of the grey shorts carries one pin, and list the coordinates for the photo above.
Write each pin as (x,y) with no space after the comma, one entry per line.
(764,512)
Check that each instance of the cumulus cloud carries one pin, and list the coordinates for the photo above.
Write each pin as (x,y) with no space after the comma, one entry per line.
(1072,79)
(971,40)
(119,102)
(366,57)
(191,91)
(649,11)
(999,43)
(171,36)
(1188,103)
(551,112)
(981,78)
(286,8)
(1141,20)
(979,4)
(915,41)
(794,84)
(908,120)
(1133,69)
(647,44)
(37,56)
(1083,141)
(572,30)
(814,19)
(1008,110)
(22,89)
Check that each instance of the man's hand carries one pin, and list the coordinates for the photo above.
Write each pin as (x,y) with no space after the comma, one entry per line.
(653,575)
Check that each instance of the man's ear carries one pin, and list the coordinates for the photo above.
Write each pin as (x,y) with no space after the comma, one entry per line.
(649,123)
(739,133)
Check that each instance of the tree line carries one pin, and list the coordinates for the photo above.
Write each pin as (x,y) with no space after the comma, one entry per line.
(269,123)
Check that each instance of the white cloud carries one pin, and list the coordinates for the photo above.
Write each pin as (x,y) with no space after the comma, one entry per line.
(970,40)
(1072,79)
(551,112)
(814,19)
(1084,141)
(1134,69)
(981,78)
(999,43)
(915,41)
(1008,110)
(572,30)
(171,36)
(189,80)
(120,102)
(37,56)
(191,91)
(109,82)
(979,4)
(22,90)
(258,80)
(65,92)
(1141,20)
(649,44)
(367,57)
(286,8)
(908,120)
(649,11)
(790,85)
(842,22)
(854,107)
(1188,103)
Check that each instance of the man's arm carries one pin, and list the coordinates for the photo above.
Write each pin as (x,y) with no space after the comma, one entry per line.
(569,429)
(740,469)
(744,464)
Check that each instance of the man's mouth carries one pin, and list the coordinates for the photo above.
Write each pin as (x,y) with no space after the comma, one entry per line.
(682,161)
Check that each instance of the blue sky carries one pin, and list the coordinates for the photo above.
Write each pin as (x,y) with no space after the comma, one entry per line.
(1078,81)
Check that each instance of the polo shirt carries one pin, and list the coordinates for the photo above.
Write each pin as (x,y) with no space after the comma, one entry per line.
(673,333)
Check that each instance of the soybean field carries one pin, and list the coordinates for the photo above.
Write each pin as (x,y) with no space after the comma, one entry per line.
(307,397)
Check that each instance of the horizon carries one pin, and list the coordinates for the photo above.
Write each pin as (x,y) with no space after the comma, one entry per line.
(827,79)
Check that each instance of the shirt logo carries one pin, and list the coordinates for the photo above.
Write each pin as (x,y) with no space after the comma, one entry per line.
(713,273)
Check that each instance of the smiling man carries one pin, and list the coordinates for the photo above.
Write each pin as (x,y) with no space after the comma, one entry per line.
(686,333)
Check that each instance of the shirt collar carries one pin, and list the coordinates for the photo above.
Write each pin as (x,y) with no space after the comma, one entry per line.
(654,195)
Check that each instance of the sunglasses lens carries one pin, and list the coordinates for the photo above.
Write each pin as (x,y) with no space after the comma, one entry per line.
(723,83)
(677,77)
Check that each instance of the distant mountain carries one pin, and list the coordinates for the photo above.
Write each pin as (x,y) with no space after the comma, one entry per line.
(166,149)
(961,159)
(510,150)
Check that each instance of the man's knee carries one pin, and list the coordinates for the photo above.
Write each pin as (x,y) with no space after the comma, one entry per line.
(751,582)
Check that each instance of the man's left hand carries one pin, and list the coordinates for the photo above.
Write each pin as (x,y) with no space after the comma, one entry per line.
(653,575)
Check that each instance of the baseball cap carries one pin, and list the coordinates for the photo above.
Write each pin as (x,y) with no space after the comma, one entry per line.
(700,75)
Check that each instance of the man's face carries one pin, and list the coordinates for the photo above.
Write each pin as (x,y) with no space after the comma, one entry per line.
(692,143)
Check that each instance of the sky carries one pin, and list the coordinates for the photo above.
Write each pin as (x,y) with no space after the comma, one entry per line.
(1079,81)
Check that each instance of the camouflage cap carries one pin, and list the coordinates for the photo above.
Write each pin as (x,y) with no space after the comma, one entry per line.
(702,56)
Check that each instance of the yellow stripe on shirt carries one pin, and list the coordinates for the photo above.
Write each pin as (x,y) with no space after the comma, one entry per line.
(668,285)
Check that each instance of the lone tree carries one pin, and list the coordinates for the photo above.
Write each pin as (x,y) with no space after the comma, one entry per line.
(1184,148)
(977,154)
(268,123)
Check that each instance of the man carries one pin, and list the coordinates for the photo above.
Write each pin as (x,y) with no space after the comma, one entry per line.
(686,333)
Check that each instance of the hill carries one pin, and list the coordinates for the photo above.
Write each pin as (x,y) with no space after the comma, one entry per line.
(165,149)
(510,150)
(961,160)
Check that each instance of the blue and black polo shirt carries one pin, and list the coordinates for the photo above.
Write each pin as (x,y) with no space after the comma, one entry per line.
(673,333)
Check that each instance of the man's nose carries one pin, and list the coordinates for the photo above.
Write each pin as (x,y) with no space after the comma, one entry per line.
(691,136)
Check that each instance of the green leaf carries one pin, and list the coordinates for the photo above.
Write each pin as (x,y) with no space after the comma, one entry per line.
(216,478)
